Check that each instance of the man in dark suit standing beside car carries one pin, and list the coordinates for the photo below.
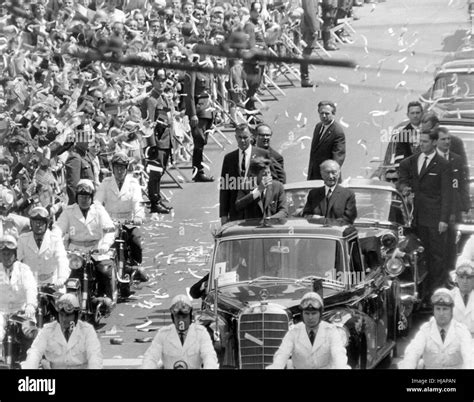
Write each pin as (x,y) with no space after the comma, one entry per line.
(428,176)
(460,184)
(235,171)
(329,140)
(331,203)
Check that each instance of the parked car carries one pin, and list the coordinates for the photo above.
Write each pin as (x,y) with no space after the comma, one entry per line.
(383,224)
(452,92)
(259,273)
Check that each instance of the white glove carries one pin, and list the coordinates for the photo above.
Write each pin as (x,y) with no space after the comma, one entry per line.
(30,311)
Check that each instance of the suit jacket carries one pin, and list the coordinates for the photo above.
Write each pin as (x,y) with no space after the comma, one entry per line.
(433,189)
(341,207)
(332,146)
(404,145)
(461,201)
(280,169)
(78,166)
(229,180)
(273,203)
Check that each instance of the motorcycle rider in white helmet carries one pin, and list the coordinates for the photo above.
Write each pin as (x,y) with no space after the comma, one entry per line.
(183,344)
(68,343)
(313,343)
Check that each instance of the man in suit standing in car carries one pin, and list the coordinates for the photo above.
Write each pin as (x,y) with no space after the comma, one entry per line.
(460,184)
(265,200)
(331,203)
(428,176)
(329,140)
(235,169)
(264,135)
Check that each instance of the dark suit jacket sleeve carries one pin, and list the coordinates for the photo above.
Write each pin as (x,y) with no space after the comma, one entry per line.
(195,290)
(282,209)
(312,151)
(339,147)
(278,173)
(224,193)
(405,174)
(310,203)
(244,199)
(73,175)
(350,213)
(446,192)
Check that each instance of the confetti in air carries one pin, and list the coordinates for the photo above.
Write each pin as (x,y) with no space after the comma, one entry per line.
(343,123)
(376,113)
(332,79)
(400,84)
(363,143)
(405,69)
(345,88)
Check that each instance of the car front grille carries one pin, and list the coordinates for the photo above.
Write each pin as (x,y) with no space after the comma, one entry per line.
(260,335)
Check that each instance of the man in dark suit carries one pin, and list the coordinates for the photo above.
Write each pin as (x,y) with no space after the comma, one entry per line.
(408,137)
(265,198)
(331,203)
(235,169)
(264,134)
(329,141)
(460,202)
(428,176)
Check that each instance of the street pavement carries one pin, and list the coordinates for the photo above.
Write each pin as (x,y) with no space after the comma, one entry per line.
(397,45)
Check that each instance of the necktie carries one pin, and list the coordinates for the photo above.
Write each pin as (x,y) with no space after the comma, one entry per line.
(443,334)
(425,164)
(446,156)
(181,337)
(328,196)
(321,133)
(242,165)
(466,299)
(311,336)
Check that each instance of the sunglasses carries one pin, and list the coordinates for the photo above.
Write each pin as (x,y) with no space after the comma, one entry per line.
(391,179)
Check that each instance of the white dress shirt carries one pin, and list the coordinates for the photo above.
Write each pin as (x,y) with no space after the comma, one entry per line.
(248,154)
(444,155)
(421,160)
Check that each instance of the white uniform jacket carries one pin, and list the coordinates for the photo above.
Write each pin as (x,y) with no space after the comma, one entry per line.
(20,290)
(454,353)
(462,313)
(95,231)
(49,263)
(327,351)
(123,204)
(166,349)
(14,225)
(82,351)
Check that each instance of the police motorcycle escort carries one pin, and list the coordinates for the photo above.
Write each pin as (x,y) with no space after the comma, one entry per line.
(89,233)
(18,298)
(120,194)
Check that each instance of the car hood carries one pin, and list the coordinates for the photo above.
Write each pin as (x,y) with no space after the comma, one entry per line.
(286,293)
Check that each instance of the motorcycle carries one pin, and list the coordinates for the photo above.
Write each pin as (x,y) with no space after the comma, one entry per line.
(125,269)
(84,283)
(47,297)
(15,343)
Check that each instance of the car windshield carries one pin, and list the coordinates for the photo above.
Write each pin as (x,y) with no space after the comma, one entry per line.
(454,84)
(372,203)
(294,258)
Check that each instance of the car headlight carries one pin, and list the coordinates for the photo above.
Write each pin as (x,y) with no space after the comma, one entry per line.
(75,261)
(394,266)
(344,334)
(389,240)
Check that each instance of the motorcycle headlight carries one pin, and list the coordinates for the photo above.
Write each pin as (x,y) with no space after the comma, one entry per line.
(394,266)
(344,334)
(389,240)
(75,261)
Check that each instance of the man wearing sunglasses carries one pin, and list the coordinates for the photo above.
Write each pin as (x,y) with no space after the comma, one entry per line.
(183,344)
(313,343)
(68,343)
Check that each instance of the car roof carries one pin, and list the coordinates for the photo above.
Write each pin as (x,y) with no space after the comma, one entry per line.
(466,65)
(463,54)
(300,226)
